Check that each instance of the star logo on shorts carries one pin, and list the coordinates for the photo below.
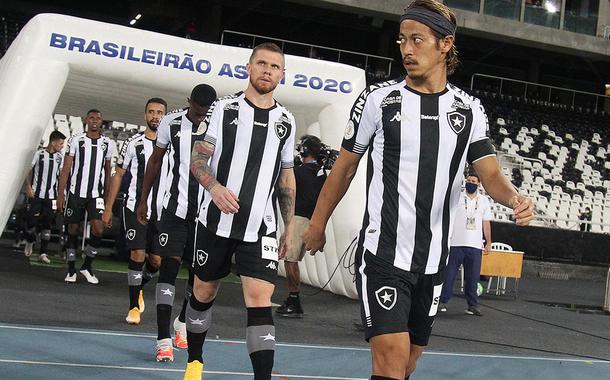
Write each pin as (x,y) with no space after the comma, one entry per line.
(131,234)
(202,257)
(69,212)
(386,297)
(163,238)
(457,121)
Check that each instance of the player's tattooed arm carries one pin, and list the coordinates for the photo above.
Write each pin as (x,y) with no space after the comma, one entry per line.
(287,194)
(200,164)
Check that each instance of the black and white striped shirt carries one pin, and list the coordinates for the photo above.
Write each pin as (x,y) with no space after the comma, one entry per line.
(45,173)
(182,190)
(251,146)
(88,174)
(134,158)
(419,144)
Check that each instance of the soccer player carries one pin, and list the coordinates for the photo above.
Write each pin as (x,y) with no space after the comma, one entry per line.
(41,190)
(140,239)
(247,150)
(177,133)
(420,130)
(87,163)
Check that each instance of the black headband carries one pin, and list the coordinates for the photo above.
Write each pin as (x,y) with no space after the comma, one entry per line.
(435,21)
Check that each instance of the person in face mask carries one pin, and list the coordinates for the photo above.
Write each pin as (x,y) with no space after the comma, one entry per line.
(473,216)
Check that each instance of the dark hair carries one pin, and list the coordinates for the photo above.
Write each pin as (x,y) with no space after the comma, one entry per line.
(203,94)
(270,46)
(56,135)
(156,100)
(94,110)
(472,173)
(310,146)
(451,60)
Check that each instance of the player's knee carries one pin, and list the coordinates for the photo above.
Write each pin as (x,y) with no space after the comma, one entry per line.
(414,354)
(154,261)
(204,292)
(45,235)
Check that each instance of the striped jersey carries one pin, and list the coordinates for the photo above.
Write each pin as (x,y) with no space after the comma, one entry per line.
(45,173)
(176,133)
(88,174)
(134,158)
(251,146)
(418,146)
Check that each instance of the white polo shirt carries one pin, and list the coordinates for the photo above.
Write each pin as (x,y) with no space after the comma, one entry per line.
(468,223)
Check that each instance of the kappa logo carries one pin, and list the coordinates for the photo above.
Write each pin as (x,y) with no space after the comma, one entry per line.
(69,212)
(163,238)
(272,265)
(429,117)
(280,130)
(456,121)
(131,234)
(202,257)
(178,134)
(386,297)
(234,122)
(231,106)
(397,117)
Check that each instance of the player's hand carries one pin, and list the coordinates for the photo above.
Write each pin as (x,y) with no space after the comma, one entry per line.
(29,193)
(314,239)
(60,203)
(523,209)
(286,241)
(487,249)
(225,199)
(142,213)
(107,218)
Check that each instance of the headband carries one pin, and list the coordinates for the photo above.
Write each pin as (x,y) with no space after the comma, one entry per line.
(435,21)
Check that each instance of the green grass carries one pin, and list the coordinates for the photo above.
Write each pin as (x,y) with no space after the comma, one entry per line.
(108,264)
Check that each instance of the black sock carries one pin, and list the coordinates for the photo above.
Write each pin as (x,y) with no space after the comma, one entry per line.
(165,295)
(87,264)
(294,297)
(134,281)
(195,334)
(187,296)
(71,267)
(71,253)
(148,272)
(261,350)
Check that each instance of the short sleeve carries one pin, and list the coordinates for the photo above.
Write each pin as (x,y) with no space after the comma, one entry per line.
(362,124)
(72,146)
(163,133)
(287,156)
(110,150)
(212,122)
(487,215)
(126,155)
(35,158)
(480,144)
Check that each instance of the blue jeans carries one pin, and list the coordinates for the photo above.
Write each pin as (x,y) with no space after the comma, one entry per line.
(470,258)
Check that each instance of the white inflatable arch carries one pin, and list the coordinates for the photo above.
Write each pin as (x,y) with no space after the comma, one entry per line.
(62,64)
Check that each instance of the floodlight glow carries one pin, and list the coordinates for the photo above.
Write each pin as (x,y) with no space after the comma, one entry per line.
(138,16)
(550,7)
(132,22)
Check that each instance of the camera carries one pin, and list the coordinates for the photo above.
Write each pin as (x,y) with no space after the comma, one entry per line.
(312,146)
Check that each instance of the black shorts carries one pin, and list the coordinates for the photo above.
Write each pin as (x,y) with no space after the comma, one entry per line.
(41,213)
(393,300)
(76,207)
(139,236)
(176,236)
(213,254)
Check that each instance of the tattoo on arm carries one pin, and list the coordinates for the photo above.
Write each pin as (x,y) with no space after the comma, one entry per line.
(200,167)
(286,199)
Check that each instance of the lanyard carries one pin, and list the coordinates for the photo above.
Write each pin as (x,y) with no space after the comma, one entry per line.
(476,205)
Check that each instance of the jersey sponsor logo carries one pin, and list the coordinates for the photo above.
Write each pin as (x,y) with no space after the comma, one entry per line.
(131,234)
(280,130)
(176,122)
(202,257)
(457,121)
(349,130)
(391,100)
(429,117)
(163,238)
(259,124)
(436,294)
(269,248)
(398,117)
(459,104)
(386,297)
(231,106)
(272,265)
(356,113)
